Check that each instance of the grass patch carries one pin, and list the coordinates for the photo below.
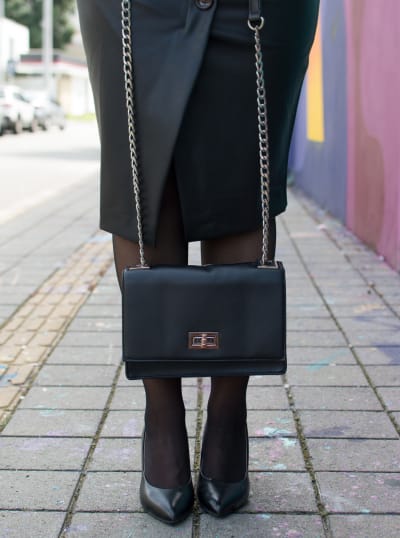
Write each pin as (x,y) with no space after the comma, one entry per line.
(82,117)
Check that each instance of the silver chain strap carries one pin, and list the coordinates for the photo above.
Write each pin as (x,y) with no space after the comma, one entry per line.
(262,137)
(262,126)
(130,106)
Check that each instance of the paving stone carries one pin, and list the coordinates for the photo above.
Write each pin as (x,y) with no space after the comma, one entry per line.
(266,398)
(365,526)
(387,376)
(361,325)
(7,395)
(95,339)
(85,355)
(307,311)
(319,356)
(354,455)
(18,374)
(109,288)
(85,375)
(53,423)
(374,338)
(338,398)
(81,324)
(100,311)
(389,355)
(13,299)
(134,398)
(258,525)
(36,490)
(124,382)
(311,324)
(131,423)
(122,455)
(6,311)
(16,524)
(299,298)
(106,525)
(260,380)
(315,339)
(318,374)
(370,308)
(270,424)
(280,492)
(391,397)
(329,286)
(360,492)
(343,299)
(119,491)
(396,416)
(113,298)
(46,453)
(65,398)
(363,424)
(117,455)
(275,454)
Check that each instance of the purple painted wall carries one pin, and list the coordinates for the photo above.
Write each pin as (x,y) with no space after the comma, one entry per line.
(321,168)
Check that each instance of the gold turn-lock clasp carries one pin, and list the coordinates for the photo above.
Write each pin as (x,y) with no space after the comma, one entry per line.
(203,340)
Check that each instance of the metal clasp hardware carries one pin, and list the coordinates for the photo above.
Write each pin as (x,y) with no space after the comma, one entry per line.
(199,340)
(269,265)
(134,267)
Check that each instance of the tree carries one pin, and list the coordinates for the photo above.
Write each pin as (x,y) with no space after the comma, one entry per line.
(29,13)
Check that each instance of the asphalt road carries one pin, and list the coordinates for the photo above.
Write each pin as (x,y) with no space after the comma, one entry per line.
(37,166)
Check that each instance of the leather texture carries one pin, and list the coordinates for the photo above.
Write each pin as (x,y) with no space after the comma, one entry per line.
(169,505)
(222,498)
(254,10)
(244,304)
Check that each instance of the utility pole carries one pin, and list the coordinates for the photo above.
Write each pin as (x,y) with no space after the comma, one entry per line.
(47,45)
(2,14)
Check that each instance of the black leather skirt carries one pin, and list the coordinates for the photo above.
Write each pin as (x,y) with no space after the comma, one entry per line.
(196,108)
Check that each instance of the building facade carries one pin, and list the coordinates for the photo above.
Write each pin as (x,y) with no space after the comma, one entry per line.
(14,41)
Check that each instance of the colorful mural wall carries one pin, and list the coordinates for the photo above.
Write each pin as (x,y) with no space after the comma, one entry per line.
(346,144)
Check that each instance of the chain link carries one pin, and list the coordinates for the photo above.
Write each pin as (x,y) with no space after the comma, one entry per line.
(262,126)
(263,139)
(127,59)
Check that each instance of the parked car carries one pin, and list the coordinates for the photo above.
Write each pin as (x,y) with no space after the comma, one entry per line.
(1,120)
(48,111)
(18,112)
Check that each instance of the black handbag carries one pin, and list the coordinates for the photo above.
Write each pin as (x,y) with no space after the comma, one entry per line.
(203,320)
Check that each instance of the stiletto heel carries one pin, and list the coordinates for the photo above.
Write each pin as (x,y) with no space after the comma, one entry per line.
(223,498)
(169,505)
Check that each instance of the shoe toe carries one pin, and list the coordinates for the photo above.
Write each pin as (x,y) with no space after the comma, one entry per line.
(221,498)
(168,505)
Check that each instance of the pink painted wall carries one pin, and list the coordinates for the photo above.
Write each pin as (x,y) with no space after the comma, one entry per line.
(373,86)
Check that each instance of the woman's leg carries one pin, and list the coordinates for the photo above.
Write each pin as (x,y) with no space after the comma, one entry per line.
(166,456)
(225,441)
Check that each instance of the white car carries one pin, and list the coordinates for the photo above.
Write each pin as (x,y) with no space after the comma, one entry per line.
(18,112)
(48,111)
(1,120)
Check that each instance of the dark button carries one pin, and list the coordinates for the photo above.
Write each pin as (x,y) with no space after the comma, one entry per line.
(204,4)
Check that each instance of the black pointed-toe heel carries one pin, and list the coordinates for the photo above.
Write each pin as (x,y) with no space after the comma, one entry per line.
(169,505)
(223,498)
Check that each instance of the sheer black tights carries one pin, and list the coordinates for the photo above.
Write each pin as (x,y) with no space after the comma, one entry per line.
(167,460)
(225,434)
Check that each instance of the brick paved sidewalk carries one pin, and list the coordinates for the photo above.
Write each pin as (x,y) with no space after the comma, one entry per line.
(324,447)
